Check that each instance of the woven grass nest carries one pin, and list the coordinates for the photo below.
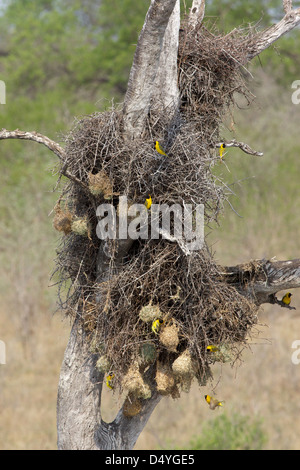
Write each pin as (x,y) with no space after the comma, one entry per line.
(156,280)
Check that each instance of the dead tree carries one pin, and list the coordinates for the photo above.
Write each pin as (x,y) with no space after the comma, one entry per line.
(182,82)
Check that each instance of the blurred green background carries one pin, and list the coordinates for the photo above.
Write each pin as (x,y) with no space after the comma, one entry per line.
(61,59)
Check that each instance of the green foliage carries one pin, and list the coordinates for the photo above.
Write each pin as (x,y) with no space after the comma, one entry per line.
(235,432)
(230,14)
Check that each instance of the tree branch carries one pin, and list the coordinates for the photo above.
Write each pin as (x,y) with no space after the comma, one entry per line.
(50,144)
(36,137)
(262,279)
(244,147)
(261,41)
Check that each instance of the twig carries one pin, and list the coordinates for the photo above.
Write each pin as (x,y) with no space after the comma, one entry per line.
(241,145)
(50,144)
(36,137)
(274,300)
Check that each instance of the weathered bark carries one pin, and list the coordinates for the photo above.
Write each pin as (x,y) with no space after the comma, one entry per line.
(79,422)
(266,38)
(79,395)
(123,432)
(156,54)
(44,140)
(244,147)
(35,137)
(196,13)
(262,279)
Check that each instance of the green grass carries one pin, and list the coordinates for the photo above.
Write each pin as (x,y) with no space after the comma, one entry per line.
(234,432)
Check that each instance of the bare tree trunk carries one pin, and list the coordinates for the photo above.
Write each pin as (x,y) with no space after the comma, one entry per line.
(79,422)
(79,395)
(123,432)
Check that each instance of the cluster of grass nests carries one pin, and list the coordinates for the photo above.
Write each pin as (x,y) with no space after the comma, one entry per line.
(155,280)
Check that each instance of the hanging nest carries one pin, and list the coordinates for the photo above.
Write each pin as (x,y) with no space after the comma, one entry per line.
(155,279)
(147,354)
(135,384)
(149,313)
(99,184)
(103,364)
(169,337)
(165,380)
(132,406)
(62,221)
(184,370)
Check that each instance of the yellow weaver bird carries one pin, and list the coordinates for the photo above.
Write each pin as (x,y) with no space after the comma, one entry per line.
(148,202)
(222,150)
(156,325)
(159,149)
(212,348)
(109,379)
(286,299)
(213,402)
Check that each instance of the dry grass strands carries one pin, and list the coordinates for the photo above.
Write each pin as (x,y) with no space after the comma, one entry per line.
(150,312)
(210,75)
(132,406)
(165,380)
(169,337)
(134,383)
(62,221)
(99,184)
(103,364)
(184,370)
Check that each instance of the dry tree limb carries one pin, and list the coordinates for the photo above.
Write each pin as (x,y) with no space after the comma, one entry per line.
(261,41)
(262,279)
(36,137)
(244,147)
(42,139)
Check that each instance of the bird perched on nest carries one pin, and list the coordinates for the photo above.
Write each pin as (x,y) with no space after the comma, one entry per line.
(156,325)
(213,402)
(286,299)
(148,202)
(159,149)
(109,380)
